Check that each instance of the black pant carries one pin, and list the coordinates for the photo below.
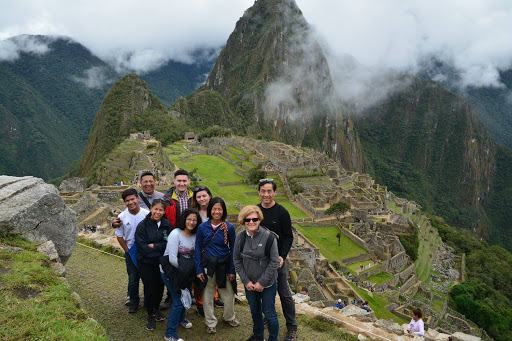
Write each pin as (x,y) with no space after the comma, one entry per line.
(153,286)
(286,298)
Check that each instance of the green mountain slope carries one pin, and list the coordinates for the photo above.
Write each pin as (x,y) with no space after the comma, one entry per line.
(128,107)
(275,81)
(47,110)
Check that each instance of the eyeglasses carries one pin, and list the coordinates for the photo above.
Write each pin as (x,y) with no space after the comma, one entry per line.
(251,219)
(202,188)
(191,220)
(267,180)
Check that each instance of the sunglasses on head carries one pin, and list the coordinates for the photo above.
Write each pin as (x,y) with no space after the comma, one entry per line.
(251,219)
(267,180)
(197,189)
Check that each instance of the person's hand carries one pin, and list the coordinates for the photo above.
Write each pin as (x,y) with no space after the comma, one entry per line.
(258,287)
(250,286)
(151,245)
(281,261)
(231,277)
(117,222)
(201,277)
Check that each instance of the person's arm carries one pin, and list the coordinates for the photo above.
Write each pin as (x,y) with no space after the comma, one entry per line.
(286,237)
(173,243)
(238,261)
(272,266)
(231,238)
(122,242)
(141,239)
(198,254)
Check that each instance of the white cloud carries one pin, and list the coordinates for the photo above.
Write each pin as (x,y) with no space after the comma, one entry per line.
(95,77)
(473,34)
(10,49)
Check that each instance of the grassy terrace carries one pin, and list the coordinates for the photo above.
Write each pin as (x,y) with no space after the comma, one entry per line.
(378,305)
(381,278)
(325,239)
(213,169)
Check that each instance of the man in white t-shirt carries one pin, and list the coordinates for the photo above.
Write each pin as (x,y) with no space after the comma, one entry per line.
(126,224)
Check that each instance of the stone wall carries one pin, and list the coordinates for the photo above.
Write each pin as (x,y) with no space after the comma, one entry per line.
(407,285)
(354,238)
(404,275)
(356,259)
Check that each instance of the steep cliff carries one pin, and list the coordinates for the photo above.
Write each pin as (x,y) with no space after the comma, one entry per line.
(276,81)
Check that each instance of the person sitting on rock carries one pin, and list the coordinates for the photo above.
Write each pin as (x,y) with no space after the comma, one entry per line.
(365,306)
(339,304)
(416,326)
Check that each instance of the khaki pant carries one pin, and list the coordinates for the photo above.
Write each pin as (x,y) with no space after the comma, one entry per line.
(227,296)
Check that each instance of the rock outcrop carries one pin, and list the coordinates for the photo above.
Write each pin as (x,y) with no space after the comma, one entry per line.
(33,209)
(73,185)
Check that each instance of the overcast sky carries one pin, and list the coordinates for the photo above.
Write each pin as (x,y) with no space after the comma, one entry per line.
(475,35)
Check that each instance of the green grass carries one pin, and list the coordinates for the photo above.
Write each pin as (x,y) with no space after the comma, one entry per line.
(35,304)
(378,305)
(381,278)
(213,169)
(357,266)
(325,239)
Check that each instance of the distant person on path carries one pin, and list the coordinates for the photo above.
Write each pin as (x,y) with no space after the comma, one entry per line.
(215,240)
(256,261)
(181,269)
(148,193)
(200,200)
(416,326)
(365,306)
(339,304)
(151,240)
(277,219)
(126,224)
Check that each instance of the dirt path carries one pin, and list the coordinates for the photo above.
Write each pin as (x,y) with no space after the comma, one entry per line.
(100,280)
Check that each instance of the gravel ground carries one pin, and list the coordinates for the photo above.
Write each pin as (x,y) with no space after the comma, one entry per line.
(101,281)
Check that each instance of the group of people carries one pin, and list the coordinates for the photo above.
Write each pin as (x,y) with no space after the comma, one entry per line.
(181,240)
(359,303)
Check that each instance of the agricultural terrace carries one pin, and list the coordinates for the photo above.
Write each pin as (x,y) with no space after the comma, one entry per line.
(325,239)
(213,169)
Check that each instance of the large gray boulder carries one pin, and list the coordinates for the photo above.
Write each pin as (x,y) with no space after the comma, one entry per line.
(73,185)
(358,313)
(389,326)
(33,209)
(458,336)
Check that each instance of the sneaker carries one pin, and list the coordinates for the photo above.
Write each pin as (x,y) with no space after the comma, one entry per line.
(151,323)
(211,330)
(200,311)
(172,338)
(291,335)
(133,308)
(127,301)
(186,324)
(233,323)
(255,338)
(219,304)
(159,317)
(165,305)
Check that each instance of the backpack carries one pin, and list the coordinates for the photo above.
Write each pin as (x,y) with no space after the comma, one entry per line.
(268,245)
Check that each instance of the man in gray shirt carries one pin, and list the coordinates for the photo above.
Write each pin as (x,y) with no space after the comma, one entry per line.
(148,193)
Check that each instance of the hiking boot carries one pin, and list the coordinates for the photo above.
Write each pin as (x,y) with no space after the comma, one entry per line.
(165,304)
(219,304)
(172,338)
(186,324)
(133,308)
(255,338)
(211,330)
(127,301)
(291,335)
(233,323)
(159,317)
(200,311)
(151,325)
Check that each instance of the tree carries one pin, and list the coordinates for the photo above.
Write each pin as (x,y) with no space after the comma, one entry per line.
(339,208)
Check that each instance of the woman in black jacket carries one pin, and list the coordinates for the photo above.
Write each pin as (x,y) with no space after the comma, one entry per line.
(151,240)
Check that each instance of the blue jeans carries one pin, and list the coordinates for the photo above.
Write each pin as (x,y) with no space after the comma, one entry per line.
(177,312)
(133,280)
(264,302)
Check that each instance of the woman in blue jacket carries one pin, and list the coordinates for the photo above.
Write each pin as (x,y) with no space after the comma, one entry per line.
(213,256)
(150,238)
